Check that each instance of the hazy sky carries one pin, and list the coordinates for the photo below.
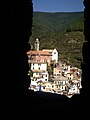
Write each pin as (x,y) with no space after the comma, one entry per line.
(58,5)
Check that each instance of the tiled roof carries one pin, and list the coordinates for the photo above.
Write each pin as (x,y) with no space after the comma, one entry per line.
(57,68)
(48,50)
(40,52)
(61,78)
(75,81)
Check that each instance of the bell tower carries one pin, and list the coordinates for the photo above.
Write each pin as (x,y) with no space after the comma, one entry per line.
(37,44)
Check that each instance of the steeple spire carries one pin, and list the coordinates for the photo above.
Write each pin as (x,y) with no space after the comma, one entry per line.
(37,44)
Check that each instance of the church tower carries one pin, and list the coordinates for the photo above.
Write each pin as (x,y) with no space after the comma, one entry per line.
(37,44)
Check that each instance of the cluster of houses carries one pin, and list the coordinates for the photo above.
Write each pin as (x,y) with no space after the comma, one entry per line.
(48,74)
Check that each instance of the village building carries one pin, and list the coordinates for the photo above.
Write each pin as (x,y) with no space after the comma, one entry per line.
(69,76)
(57,71)
(45,55)
(54,54)
(39,73)
(64,79)
(40,56)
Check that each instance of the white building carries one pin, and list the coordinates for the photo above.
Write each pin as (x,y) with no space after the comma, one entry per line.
(74,89)
(54,53)
(69,76)
(39,66)
(39,73)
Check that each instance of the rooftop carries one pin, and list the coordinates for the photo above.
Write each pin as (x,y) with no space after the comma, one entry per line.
(40,52)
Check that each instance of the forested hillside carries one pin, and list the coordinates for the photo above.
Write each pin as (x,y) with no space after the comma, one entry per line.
(63,31)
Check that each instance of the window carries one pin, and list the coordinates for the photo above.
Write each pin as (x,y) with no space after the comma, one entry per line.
(58,74)
(43,87)
(39,64)
(39,68)
(61,82)
(45,60)
(78,84)
(55,82)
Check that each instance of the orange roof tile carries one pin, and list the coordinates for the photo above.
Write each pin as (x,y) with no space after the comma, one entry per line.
(38,52)
(48,50)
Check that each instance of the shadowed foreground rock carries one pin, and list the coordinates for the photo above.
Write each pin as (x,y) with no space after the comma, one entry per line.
(19,101)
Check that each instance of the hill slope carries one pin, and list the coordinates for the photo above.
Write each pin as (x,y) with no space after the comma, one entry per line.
(63,31)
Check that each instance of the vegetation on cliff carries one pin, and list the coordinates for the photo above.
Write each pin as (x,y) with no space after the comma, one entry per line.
(63,31)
